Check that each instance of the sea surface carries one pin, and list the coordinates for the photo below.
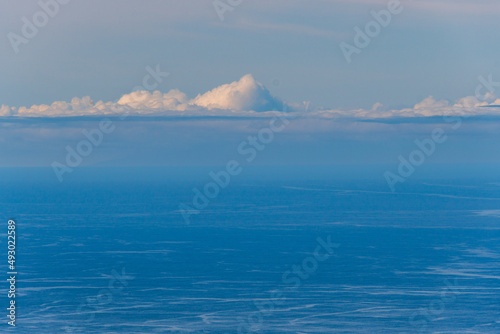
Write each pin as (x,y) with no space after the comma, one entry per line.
(118,257)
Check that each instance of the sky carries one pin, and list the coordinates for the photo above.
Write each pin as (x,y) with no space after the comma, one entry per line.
(186,82)
(101,49)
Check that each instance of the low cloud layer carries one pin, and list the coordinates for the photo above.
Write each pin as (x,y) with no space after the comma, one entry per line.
(245,98)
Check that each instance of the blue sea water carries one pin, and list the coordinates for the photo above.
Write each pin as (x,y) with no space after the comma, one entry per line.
(103,256)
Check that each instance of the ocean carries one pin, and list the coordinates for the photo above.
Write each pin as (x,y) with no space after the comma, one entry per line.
(280,256)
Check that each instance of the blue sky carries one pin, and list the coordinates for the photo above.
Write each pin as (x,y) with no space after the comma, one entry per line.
(101,48)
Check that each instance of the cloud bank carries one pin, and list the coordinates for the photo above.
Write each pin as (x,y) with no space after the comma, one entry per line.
(244,98)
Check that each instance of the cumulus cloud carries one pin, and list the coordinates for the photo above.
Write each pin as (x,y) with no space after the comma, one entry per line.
(245,97)
(428,107)
(173,100)
(245,94)
(6,110)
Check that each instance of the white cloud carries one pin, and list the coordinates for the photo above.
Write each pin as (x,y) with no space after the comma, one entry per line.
(428,107)
(242,95)
(430,103)
(5,110)
(245,97)
(173,100)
